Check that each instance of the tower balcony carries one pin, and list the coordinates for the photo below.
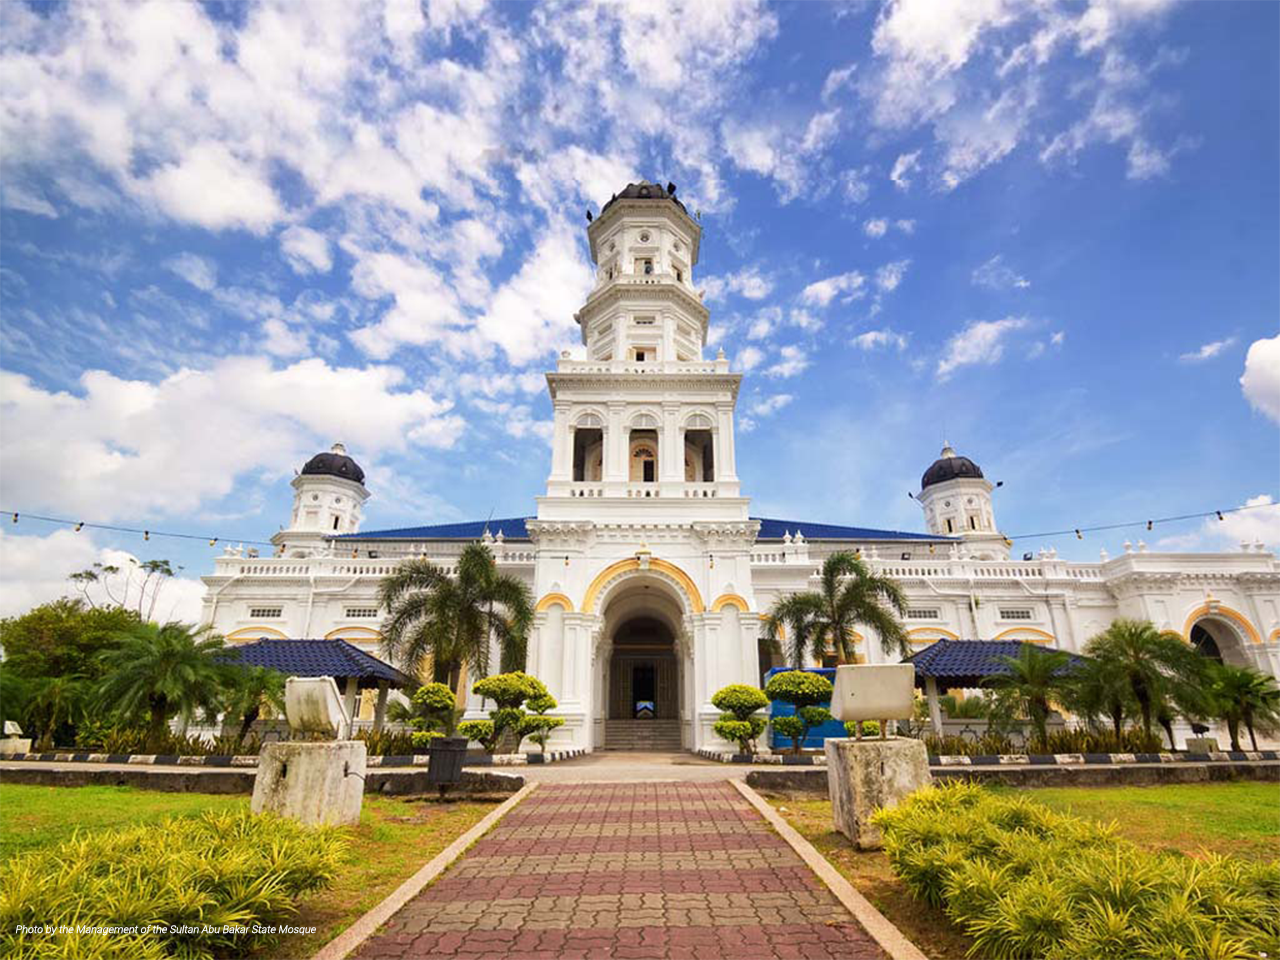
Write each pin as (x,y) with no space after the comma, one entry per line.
(633,490)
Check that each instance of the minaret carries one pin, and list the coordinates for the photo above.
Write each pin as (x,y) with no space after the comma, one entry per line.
(956,499)
(644,417)
(329,493)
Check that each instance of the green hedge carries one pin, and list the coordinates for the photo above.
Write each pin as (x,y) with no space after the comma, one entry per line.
(214,871)
(1023,881)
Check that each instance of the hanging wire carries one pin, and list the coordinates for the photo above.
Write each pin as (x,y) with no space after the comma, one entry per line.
(1077,531)
(147,534)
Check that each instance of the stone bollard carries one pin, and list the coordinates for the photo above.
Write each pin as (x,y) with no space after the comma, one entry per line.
(314,783)
(866,775)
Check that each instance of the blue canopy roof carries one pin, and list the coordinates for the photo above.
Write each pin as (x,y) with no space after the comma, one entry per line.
(513,528)
(317,658)
(966,663)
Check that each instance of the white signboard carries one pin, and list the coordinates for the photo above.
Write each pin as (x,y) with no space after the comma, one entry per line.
(882,691)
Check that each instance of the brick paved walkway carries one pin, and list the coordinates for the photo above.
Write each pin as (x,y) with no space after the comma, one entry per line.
(627,870)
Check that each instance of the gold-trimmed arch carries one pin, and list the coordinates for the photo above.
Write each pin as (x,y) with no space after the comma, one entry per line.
(246,634)
(1275,635)
(729,600)
(554,600)
(917,634)
(354,633)
(1218,610)
(625,566)
(1041,636)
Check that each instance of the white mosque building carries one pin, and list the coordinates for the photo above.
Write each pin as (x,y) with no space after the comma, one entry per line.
(649,570)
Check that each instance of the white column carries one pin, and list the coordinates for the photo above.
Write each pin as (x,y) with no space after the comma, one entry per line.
(562,446)
(615,446)
(726,466)
(670,446)
(349,704)
(935,711)
(380,710)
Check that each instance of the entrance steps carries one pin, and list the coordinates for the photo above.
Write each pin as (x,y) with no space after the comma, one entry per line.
(655,736)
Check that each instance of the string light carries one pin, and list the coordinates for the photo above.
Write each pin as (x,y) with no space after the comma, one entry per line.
(1220,516)
(1149,523)
(146,534)
(79,526)
(213,541)
(15,518)
(1079,535)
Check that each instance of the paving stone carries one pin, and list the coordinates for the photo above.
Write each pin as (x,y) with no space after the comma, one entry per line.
(634,871)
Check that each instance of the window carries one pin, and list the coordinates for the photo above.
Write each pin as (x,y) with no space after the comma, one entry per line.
(266,613)
(648,267)
(335,523)
(679,275)
(1015,613)
(950,526)
(640,356)
(644,321)
(973,523)
(361,612)
(924,613)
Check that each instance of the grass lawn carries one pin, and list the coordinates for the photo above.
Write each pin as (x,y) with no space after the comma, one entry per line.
(394,839)
(1230,818)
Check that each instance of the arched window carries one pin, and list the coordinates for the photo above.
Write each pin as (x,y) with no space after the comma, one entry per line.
(644,464)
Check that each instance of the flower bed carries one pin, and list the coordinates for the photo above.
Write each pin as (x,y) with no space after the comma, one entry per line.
(1023,881)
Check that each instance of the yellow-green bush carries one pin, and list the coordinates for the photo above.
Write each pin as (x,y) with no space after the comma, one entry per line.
(1023,881)
(210,873)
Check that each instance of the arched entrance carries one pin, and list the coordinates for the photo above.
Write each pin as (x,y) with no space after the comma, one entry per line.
(1219,640)
(642,662)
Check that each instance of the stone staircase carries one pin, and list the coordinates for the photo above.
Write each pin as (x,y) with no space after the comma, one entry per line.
(654,736)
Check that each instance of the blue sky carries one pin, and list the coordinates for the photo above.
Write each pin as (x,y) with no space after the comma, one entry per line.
(234,233)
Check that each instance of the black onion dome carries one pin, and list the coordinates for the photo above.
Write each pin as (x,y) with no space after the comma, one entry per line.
(644,190)
(335,463)
(949,466)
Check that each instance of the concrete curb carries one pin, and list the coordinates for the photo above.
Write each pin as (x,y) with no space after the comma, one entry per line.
(251,760)
(366,926)
(1011,759)
(891,940)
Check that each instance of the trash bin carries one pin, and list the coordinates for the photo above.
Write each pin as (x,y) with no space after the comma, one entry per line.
(446,757)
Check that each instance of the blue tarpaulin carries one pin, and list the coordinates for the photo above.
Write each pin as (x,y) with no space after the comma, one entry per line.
(817,735)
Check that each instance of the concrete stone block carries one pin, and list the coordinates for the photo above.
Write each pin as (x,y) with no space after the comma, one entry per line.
(315,783)
(865,775)
(1202,745)
(9,746)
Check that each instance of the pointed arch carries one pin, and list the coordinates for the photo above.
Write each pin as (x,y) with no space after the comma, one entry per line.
(1226,613)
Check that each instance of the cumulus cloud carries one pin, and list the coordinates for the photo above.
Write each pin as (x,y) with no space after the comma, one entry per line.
(846,286)
(306,250)
(749,358)
(122,449)
(875,228)
(1207,351)
(879,340)
(995,274)
(200,272)
(748,282)
(980,343)
(792,360)
(890,275)
(766,406)
(903,168)
(1259,523)
(1261,379)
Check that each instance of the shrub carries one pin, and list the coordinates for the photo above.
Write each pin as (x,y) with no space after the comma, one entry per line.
(537,725)
(1023,881)
(804,691)
(421,739)
(509,691)
(986,745)
(434,706)
(386,743)
(481,731)
(870,728)
(742,732)
(1132,740)
(220,869)
(740,700)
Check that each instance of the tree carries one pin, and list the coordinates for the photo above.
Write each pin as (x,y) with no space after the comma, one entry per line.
(452,619)
(852,594)
(1153,664)
(136,586)
(62,638)
(508,691)
(739,723)
(1241,695)
(248,690)
(1032,684)
(433,709)
(794,618)
(158,671)
(53,701)
(535,724)
(1095,690)
(804,691)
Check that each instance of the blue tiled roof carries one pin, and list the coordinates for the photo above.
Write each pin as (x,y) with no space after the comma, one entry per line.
(966,663)
(317,658)
(775,529)
(513,528)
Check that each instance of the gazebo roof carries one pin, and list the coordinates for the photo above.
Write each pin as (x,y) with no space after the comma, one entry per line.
(318,658)
(967,663)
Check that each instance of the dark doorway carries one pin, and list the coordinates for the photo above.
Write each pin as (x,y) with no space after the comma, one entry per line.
(1203,641)
(643,670)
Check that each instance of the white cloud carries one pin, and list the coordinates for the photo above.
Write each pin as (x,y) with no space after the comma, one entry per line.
(18,197)
(764,323)
(1261,378)
(126,449)
(1058,337)
(1260,523)
(791,361)
(766,406)
(200,272)
(876,228)
(838,80)
(905,226)
(995,274)
(34,570)
(903,168)
(748,282)
(854,184)
(749,358)
(306,250)
(847,286)
(880,339)
(890,275)
(981,342)
(212,188)
(1207,351)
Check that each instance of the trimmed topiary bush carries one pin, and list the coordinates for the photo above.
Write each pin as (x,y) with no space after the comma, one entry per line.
(870,728)
(209,872)
(738,724)
(1023,881)
(536,725)
(804,691)
(509,691)
(481,731)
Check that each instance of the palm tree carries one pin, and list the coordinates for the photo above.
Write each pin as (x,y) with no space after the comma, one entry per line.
(1242,695)
(52,701)
(1095,690)
(156,671)
(1155,665)
(794,618)
(852,594)
(451,620)
(248,690)
(1034,683)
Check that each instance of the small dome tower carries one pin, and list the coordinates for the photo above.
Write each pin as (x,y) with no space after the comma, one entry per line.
(956,499)
(329,494)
